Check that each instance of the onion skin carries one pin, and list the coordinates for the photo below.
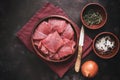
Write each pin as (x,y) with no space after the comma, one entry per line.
(89,69)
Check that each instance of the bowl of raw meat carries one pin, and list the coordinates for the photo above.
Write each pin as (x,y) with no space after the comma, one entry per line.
(55,38)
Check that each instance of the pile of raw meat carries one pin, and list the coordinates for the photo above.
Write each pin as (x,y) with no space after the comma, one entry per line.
(54,38)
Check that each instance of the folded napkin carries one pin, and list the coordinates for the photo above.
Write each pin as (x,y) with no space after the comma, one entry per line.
(25,33)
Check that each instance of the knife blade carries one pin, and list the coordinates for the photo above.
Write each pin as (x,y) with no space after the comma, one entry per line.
(81,43)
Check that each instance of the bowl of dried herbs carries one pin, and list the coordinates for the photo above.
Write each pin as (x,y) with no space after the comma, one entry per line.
(93,15)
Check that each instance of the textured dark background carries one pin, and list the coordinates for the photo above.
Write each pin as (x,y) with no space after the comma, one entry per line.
(17,63)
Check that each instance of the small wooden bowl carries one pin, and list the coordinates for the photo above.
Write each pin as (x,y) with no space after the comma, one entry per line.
(98,8)
(40,53)
(113,52)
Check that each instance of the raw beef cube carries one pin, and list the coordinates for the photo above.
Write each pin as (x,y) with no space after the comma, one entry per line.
(44,50)
(39,35)
(51,55)
(58,25)
(36,42)
(68,33)
(53,42)
(39,45)
(44,27)
(67,49)
(55,57)
(65,40)
(42,31)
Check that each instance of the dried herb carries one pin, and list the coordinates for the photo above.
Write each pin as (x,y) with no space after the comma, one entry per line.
(92,17)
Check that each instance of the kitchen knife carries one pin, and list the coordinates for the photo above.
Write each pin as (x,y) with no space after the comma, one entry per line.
(81,43)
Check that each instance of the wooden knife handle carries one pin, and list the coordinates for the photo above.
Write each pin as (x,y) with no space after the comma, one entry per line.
(78,60)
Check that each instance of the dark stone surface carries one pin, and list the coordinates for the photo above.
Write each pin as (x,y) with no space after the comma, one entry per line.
(17,63)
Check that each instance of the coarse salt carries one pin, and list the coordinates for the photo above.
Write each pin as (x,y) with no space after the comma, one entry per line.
(105,44)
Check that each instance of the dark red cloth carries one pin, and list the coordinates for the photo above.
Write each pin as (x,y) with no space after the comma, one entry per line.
(25,33)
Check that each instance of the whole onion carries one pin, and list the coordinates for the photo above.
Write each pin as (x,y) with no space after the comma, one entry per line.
(89,69)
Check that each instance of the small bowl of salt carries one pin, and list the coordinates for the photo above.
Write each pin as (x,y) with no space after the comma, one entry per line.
(106,45)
